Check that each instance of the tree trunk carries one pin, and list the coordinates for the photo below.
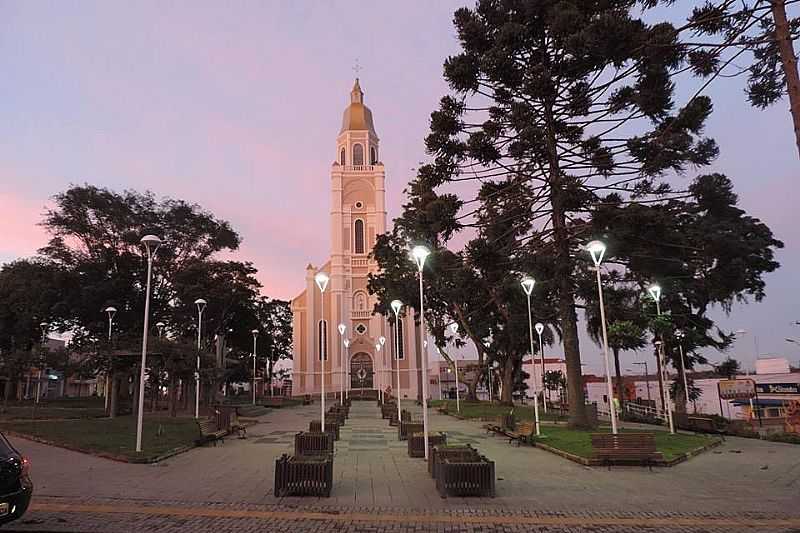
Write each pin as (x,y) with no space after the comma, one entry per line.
(113,400)
(564,281)
(171,396)
(789,61)
(507,394)
(620,384)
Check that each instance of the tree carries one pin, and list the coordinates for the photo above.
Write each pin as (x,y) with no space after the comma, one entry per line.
(728,368)
(478,288)
(702,249)
(572,100)
(760,27)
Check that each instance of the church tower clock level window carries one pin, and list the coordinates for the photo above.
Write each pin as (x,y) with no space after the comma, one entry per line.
(358,154)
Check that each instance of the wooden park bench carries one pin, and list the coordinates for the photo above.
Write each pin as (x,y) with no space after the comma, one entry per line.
(625,448)
(407,428)
(468,475)
(524,432)
(437,453)
(502,424)
(306,475)
(210,432)
(308,443)
(330,426)
(416,443)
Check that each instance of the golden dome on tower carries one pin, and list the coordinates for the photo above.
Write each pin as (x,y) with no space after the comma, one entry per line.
(357,116)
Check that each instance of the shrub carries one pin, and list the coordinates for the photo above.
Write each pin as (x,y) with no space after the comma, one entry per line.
(790,438)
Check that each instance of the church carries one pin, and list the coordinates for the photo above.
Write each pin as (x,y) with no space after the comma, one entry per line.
(357,216)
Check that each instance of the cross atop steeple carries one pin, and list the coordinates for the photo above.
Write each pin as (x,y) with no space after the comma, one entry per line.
(357,68)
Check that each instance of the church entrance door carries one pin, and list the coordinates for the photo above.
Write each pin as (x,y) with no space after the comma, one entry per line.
(361,371)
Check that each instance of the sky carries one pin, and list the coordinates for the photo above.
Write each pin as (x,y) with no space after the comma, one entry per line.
(236,106)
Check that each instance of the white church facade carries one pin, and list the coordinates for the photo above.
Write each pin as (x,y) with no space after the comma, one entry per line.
(357,216)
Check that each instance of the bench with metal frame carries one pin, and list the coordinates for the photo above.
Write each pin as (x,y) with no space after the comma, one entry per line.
(209,431)
(523,433)
(625,448)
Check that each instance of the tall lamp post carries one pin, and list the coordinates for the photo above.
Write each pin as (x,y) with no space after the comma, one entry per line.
(680,335)
(151,243)
(527,285)
(255,337)
(160,328)
(377,355)
(346,343)
(454,329)
(539,327)
(201,306)
(110,312)
(382,341)
(655,293)
(396,306)
(342,329)
(597,250)
(420,254)
(45,327)
(322,282)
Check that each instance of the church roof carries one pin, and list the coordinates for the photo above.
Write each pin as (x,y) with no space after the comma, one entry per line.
(357,116)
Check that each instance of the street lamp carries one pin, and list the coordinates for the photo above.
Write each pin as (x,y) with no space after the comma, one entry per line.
(454,329)
(680,335)
(151,243)
(382,341)
(160,328)
(396,306)
(539,327)
(597,249)
(322,282)
(655,293)
(201,306)
(45,327)
(377,356)
(420,254)
(110,311)
(342,328)
(255,336)
(346,343)
(527,286)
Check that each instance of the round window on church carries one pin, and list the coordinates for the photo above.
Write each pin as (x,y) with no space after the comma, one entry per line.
(361,329)
(359,205)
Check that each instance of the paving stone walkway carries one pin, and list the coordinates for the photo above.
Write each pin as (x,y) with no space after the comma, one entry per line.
(742,485)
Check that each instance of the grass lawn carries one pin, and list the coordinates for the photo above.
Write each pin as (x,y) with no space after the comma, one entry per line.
(113,436)
(580,443)
(62,408)
(493,410)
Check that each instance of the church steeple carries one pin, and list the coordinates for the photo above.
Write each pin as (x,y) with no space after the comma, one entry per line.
(357,116)
(356,95)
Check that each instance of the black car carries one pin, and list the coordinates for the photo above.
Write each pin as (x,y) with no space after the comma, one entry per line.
(16,486)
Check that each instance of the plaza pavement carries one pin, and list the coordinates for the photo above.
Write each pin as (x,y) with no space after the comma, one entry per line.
(743,484)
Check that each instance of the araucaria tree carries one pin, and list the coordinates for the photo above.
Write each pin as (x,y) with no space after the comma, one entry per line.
(575,100)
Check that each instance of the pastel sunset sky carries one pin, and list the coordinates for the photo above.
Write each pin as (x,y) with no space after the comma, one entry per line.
(236,105)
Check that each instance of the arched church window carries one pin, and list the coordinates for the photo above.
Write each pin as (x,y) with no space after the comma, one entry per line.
(359,236)
(342,156)
(322,338)
(401,350)
(373,155)
(358,154)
